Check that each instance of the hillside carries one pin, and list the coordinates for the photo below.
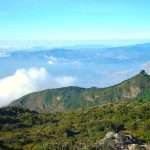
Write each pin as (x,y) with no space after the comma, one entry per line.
(70,98)
(24,129)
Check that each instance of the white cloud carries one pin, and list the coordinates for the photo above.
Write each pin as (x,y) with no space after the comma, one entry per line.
(51,60)
(22,82)
(25,81)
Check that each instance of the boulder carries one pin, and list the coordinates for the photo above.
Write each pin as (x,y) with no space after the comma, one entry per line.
(120,142)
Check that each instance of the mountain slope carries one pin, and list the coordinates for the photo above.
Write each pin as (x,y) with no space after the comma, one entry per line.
(70,98)
(75,130)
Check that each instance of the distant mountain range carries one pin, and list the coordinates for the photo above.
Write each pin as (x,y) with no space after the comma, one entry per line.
(79,66)
(73,61)
(70,98)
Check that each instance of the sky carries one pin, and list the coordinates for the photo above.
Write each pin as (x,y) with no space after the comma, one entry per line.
(74,19)
(82,33)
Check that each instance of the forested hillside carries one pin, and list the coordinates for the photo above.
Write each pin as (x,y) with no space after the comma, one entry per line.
(71,98)
(80,129)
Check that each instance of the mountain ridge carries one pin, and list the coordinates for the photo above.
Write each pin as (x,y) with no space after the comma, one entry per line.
(70,98)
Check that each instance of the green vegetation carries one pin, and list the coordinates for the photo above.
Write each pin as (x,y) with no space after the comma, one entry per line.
(82,129)
(71,98)
(123,108)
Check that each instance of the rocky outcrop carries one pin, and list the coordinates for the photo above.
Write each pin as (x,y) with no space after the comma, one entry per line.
(118,141)
(89,98)
(132,92)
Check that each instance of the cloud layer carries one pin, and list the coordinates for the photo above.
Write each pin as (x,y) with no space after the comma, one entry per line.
(25,81)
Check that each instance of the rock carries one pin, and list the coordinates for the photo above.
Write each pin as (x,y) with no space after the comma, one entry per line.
(136,147)
(121,142)
(126,139)
(146,146)
(109,135)
(132,146)
(132,93)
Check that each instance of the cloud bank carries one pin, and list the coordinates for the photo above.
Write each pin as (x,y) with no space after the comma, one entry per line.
(25,81)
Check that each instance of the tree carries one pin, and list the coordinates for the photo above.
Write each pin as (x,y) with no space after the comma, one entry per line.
(143,72)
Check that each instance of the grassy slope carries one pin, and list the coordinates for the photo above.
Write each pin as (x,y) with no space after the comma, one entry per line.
(23,129)
(70,98)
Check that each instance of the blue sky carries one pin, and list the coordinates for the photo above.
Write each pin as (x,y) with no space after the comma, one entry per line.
(74,19)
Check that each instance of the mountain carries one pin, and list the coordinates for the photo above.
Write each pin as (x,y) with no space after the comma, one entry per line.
(113,126)
(123,62)
(71,98)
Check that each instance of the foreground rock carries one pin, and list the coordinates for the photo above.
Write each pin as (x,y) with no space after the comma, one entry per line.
(116,141)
